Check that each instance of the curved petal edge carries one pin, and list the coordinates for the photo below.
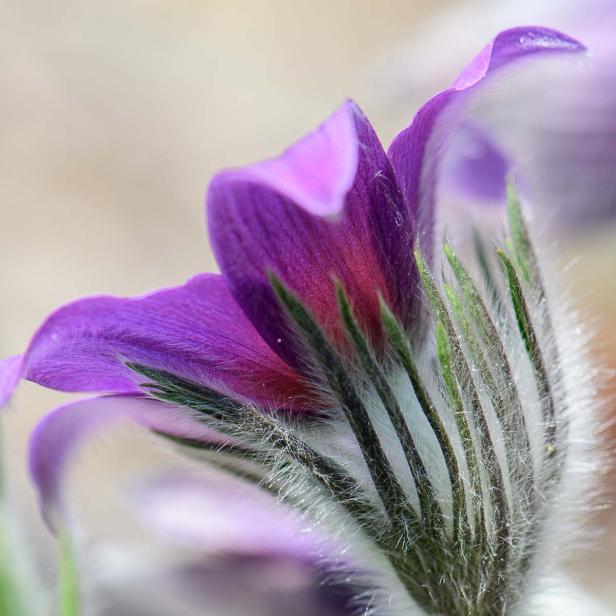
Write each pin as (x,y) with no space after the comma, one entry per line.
(58,437)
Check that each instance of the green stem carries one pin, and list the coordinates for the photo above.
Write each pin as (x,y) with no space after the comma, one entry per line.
(68,581)
(19,590)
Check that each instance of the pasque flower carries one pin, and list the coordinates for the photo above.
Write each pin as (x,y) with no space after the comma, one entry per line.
(419,418)
(334,205)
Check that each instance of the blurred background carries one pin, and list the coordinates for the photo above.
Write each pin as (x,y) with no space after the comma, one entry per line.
(115,115)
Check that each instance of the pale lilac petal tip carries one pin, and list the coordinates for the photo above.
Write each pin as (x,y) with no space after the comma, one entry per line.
(417,151)
(239,585)
(316,172)
(57,438)
(10,373)
(243,539)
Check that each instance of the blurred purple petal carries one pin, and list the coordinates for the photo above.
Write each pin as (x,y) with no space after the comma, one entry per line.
(57,438)
(417,150)
(235,585)
(511,45)
(475,165)
(196,331)
(213,512)
(256,555)
(261,220)
(555,119)
(560,126)
(271,585)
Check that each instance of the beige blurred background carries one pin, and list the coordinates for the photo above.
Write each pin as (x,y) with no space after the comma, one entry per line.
(115,115)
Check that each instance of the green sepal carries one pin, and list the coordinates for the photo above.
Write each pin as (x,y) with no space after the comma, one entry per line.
(481,255)
(460,383)
(399,341)
(533,349)
(429,505)
(267,437)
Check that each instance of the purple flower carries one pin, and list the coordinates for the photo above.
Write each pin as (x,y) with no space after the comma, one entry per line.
(308,368)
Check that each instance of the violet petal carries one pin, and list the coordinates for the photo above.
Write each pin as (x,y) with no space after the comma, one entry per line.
(270,585)
(11,369)
(196,331)
(211,512)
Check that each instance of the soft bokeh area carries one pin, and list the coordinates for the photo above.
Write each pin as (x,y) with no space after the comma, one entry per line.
(115,115)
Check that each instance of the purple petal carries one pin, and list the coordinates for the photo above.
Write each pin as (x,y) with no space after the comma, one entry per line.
(266,560)
(264,217)
(417,150)
(196,331)
(235,585)
(212,512)
(559,125)
(58,436)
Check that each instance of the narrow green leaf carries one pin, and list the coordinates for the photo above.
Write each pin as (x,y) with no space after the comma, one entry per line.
(453,362)
(399,341)
(491,342)
(533,349)
(268,437)
(525,259)
(457,378)
(411,565)
(520,239)
(430,508)
(486,269)
(485,344)
(446,362)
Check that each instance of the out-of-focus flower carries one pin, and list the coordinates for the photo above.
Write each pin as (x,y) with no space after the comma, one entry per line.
(262,547)
(552,124)
(423,425)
